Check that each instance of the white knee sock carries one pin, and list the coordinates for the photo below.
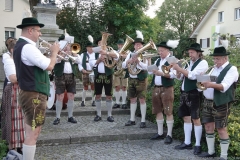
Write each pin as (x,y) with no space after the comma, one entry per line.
(187,132)
(224,144)
(98,107)
(198,134)
(117,96)
(160,126)
(84,95)
(28,152)
(143,108)
(109,107)
(70,106)
(58,105)
(93,96)
(170,127)
(133,108)
(210,138)
(124,96)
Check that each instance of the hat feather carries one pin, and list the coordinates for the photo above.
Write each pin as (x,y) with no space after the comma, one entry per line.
(139,34)
(173,43)
(66,34)
(224,43)
(90,38)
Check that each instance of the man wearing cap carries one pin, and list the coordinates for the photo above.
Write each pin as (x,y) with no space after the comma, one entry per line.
(87,71)
(190,97)
(120,83)
(65,80)
(218,98)
(103,78)
(163,93)
(137,84)
(33,80)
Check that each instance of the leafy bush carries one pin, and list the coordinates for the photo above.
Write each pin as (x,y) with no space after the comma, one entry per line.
(3,147)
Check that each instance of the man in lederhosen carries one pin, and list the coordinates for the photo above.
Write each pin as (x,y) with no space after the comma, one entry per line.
(103,78)
(163,93)
(86,70)
(120,83)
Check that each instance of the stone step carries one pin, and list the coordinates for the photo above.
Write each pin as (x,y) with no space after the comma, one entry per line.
(86,130)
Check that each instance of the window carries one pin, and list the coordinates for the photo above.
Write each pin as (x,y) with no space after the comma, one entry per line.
(220,17)
(8,5)
(237,13)
(9,32)
(205,43)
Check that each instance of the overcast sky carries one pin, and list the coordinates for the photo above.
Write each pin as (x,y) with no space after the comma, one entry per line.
(152,9)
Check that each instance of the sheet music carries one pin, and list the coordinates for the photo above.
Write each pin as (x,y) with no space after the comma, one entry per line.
(152,67)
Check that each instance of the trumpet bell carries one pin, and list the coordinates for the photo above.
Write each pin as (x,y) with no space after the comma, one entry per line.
(75,48)
(165,69)
(201,86)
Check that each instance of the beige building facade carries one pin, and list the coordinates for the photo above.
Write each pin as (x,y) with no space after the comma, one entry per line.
(222,17)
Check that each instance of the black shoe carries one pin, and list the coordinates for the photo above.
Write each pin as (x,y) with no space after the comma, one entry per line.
(56,121)
(130,123)
(97,118)
(197,150)
(183,146)
(83,104)
(110,119)
(143,125)
(93,103)
(124,106)
(116,106)
(168,140)
(157,137)
(72,120)
(206,155)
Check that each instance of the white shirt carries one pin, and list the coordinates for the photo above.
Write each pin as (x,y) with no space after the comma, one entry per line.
(140,65)
(101,67)
(5,56)
(231,77)
(31,55)
(199,69)
(89,58)
(9,67)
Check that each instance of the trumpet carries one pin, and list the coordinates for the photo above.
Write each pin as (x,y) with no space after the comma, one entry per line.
(208,72)
(182,63)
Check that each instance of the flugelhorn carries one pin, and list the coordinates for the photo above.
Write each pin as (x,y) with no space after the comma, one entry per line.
(132,68)
(182,63)
(208,72)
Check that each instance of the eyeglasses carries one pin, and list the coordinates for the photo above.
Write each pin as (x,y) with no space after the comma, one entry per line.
(39,31)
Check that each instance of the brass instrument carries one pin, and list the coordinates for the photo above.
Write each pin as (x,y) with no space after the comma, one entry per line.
(208,72)
(75,48)
(182,63)
(123,52)
(132,68)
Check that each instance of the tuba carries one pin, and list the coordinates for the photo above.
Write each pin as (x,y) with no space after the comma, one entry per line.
(132,68)
(123,52)
(208,72)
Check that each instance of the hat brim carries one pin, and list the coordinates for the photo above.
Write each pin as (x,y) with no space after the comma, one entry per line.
(138,42)
(198,50)
(30,24)
(159,45)
(220,54)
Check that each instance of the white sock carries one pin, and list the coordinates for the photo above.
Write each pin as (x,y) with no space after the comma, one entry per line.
(210,138)
(117,96)
(98,107)
(93,96)
(124,97)
(160,126)
(58,105)
(28,152)
(70,106)
(170,127)
(143,108)
(198,134)
(187,132)
(84,95)
(109,107)
(224,144)
(133,108)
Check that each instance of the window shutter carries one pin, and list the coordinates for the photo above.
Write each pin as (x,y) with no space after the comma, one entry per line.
(201,43)
(9,5)
(208,42)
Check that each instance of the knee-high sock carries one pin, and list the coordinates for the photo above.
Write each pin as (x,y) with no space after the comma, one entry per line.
(117,96)
(124,96)
(170,127)
(109,107)
(133,108)
(98,107)
(93,96)
(224,144)
(160,126)
(198,134)
(28,152)
(58,105)
(210,138)
(70,106)
(84,95)
(187,132)
(143,108)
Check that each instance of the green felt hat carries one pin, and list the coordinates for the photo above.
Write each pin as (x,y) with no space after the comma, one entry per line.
(219,51)
(30,21)
(163,44)
(196,47)
(120,41)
